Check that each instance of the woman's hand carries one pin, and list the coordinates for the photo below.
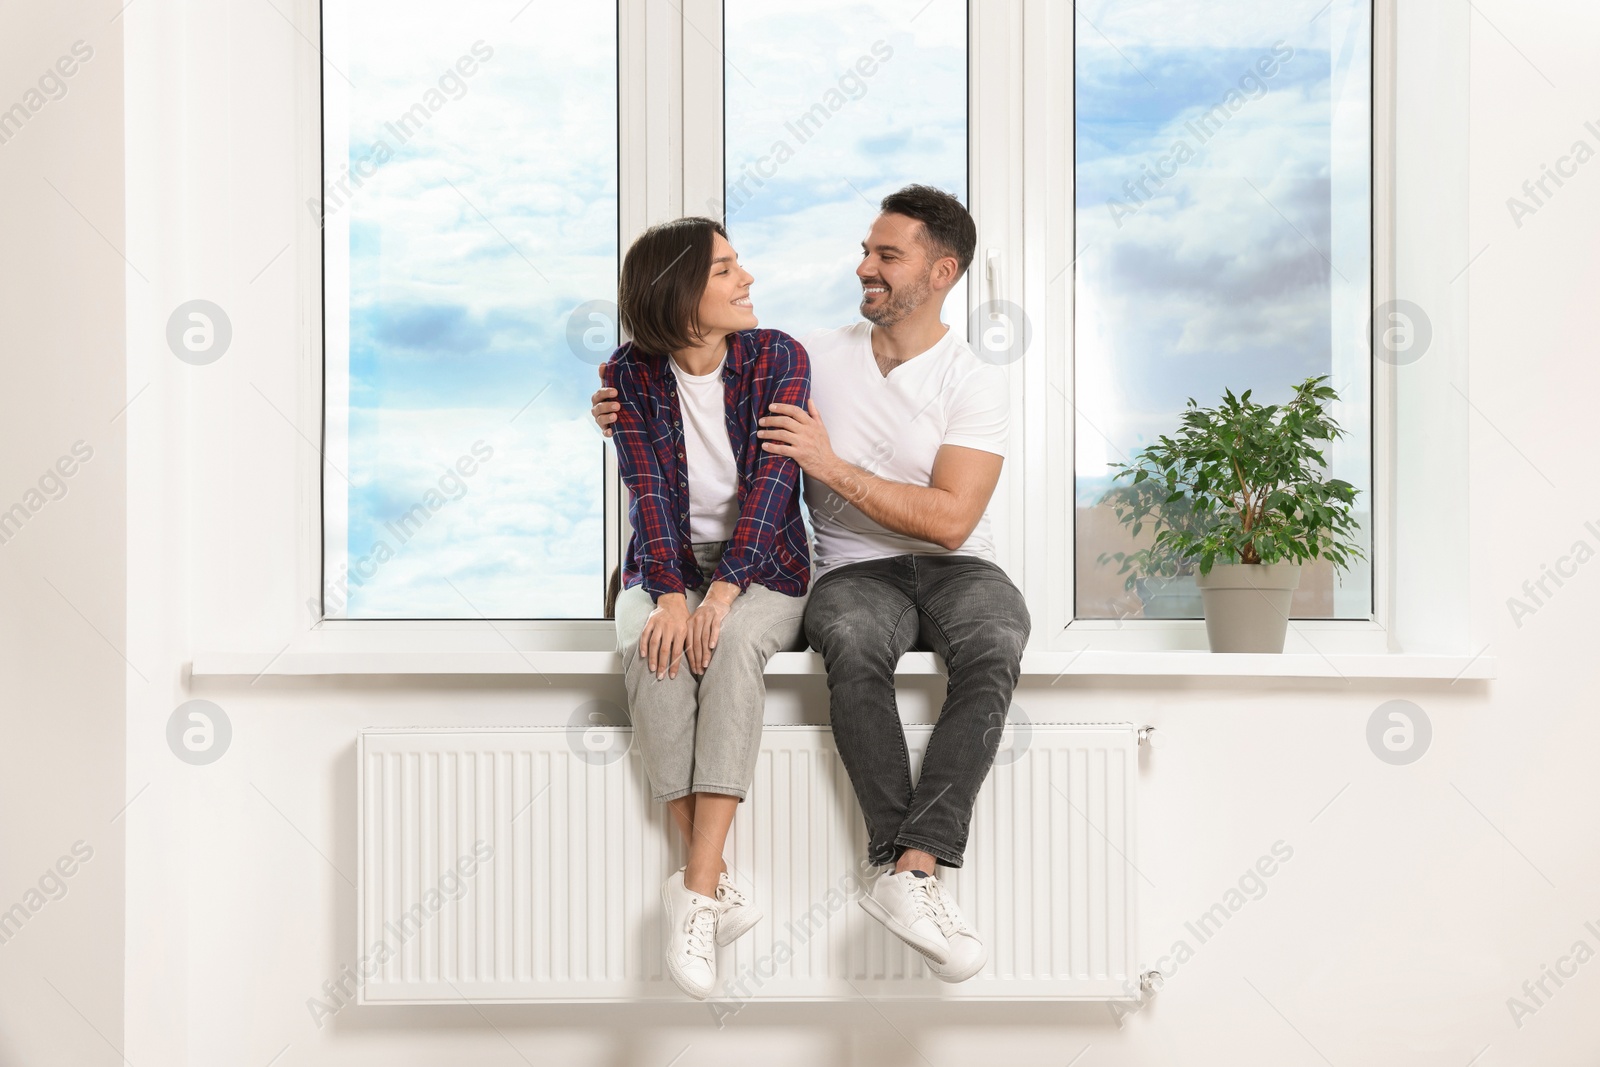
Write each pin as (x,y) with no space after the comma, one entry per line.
(665,633)
(705,625)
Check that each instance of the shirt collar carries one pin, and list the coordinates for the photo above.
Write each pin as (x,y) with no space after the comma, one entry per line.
(741,350)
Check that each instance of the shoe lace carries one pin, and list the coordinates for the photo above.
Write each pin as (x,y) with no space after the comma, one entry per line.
(729,894)
(943,909)
(920,891)
(701,926)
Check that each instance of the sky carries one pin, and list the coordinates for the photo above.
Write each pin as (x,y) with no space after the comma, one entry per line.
(468,250)
(455,268)
(799,231)
(1240,257)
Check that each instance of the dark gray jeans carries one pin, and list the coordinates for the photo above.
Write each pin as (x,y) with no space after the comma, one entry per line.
(862,617)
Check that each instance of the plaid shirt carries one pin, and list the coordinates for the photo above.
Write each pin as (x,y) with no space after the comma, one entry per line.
(768,545)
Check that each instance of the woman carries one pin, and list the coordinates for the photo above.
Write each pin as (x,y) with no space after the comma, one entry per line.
(715,576)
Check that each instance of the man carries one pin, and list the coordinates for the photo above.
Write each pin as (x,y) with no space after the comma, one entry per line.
(898,491)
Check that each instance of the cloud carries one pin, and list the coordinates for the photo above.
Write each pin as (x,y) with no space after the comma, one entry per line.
(428,328)
(521,541)
(468,250)
(1223,275)
(800,230)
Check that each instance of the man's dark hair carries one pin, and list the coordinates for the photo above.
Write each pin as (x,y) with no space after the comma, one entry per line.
(949,227)
(663,278)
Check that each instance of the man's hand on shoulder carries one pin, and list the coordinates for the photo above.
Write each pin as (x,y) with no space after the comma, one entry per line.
(604,406)
(799,434)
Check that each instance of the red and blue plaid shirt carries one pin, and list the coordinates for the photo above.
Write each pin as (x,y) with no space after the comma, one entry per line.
(768,545)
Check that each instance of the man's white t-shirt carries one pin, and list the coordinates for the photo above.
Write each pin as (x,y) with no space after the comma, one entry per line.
(708,451)
(893,426)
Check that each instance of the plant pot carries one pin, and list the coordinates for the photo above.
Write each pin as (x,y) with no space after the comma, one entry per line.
(1169,598)
(1247,605)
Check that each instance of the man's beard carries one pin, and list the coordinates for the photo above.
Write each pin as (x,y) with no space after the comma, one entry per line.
(900,303)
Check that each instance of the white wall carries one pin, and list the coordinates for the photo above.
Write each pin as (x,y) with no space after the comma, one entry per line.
(63,574)
(1418,898)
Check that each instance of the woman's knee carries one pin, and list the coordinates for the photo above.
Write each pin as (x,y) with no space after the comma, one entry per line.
(769,622)
(632,609)
(741,656)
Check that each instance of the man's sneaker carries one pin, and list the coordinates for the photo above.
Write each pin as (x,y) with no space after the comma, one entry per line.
(968,953)
(904,904)
(738,914)
(691,937)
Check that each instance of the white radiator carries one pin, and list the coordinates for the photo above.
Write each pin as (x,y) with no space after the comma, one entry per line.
(525,865)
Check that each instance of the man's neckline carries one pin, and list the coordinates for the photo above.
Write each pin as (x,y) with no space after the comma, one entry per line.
(944,338)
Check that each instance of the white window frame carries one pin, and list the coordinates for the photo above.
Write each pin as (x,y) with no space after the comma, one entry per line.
(1051,586)
(670,66)
(1425,626)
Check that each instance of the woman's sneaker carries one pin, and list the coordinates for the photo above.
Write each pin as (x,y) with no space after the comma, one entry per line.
(905,905)
(968,953)
(738,914)
(691,937)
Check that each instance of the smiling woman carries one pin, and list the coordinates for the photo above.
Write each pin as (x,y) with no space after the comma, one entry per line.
(469,204)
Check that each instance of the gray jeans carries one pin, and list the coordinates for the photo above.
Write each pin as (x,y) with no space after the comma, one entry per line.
(702,734)
(863,617)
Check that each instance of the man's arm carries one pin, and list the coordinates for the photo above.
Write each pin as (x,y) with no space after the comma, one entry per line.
(944,512)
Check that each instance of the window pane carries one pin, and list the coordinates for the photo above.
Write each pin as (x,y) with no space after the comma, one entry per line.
(1223,159)
(831,105)
(470,201)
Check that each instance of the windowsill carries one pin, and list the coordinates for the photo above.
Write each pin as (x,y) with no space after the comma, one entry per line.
(1056,665)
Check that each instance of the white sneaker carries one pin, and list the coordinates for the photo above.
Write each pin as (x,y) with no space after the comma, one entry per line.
(904,904)
(968,953)
(691,937)
(738,914)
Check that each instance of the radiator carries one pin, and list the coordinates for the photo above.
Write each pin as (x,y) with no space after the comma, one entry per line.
(525,865)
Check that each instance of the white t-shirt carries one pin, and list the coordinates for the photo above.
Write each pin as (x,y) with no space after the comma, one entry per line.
(708,451)
(893,427)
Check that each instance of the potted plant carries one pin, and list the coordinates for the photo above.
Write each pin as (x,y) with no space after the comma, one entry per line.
(1239,494)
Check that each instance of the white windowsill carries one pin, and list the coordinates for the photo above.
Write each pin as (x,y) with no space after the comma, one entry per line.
(1096,663)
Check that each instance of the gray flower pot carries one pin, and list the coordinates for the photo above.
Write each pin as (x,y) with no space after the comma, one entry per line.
(1247,605)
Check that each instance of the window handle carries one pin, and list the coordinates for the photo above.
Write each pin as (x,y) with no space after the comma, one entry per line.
(996,290)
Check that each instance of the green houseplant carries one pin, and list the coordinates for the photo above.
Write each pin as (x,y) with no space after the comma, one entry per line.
(1239,495)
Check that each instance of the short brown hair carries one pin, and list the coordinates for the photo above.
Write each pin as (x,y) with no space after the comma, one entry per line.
(945,221)
(663,278)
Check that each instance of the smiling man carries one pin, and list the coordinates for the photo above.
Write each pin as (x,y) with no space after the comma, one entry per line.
(901,447)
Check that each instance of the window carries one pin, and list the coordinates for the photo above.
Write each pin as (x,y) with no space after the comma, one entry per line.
(830,106)
(482,174)
(470,206)
(1223,213)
